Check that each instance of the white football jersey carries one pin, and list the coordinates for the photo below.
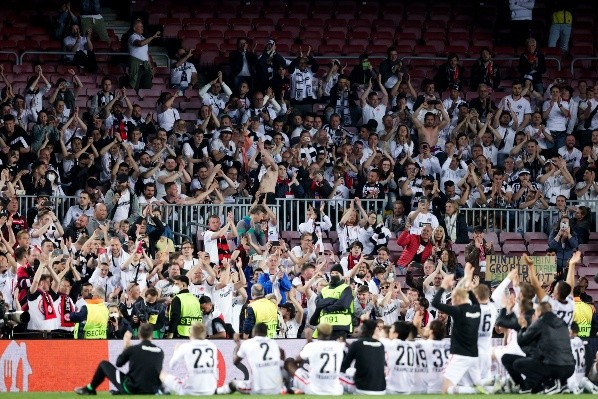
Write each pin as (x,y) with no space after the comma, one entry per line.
(421,372)
(390,312)
(487,320)
(325,358)
(263,357)
(563,311)
(579,354)
(201,360)
(400,358)
(438,353)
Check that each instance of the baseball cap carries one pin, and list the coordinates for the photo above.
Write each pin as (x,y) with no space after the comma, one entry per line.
(226,130)
(287,306)
(478,229)
(522,171)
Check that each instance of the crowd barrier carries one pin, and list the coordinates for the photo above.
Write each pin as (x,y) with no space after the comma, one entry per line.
(187,220)
(62,365)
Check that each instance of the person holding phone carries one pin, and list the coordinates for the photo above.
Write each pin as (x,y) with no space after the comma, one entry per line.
(563,242)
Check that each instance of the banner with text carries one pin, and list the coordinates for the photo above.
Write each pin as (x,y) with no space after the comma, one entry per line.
(499,266)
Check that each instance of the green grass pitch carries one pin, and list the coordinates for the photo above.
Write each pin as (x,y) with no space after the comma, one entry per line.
(68,395)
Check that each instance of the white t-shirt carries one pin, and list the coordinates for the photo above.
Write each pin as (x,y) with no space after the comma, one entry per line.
(325,358)
(521,107)
(223,300)
(202,289)
(141,53)
(123,206)
(210,242)
(572,158)
(201,360)
(390,312)
(186,68)
(167,118)
(556,121)
(377,113)
(423,219)
(133,274)
(8,282)
(263,357)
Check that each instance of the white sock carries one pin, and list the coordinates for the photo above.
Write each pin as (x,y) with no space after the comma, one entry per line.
(466,390)
(223,390)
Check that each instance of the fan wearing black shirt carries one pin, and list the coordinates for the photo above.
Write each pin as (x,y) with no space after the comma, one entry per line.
(369,356)
(145,364)
(465,312)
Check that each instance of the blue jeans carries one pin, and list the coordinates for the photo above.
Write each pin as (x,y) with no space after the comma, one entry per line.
(560,33)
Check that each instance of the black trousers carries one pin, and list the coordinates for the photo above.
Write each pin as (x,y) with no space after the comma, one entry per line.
(108,370)
(507,362)
(536,372)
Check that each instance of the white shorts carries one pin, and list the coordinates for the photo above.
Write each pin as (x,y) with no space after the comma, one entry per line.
(348,383)
(244,387)
(177,386)
(458,366)
(500,351)
(485,362)
(302,383)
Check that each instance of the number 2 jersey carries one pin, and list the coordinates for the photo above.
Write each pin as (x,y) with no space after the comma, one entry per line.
(263,357)
(201,359)
(325,358)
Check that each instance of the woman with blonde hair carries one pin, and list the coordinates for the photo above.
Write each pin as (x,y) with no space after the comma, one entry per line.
(440,241)
(454,224)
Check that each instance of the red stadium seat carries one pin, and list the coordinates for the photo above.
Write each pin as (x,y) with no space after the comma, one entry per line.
(329,49)
(514,249)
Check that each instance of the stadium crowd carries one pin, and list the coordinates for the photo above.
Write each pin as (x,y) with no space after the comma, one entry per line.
(381,160)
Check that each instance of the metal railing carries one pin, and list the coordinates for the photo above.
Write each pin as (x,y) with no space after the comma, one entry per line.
(13,53)
(187,220)
(36,52)
(497,59)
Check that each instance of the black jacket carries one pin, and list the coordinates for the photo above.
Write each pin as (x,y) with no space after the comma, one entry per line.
(466,321)
(236,63)
(145,364)
(510,321)
(460,226)
(552,335)
(479,74)
(369,357)
(535,69)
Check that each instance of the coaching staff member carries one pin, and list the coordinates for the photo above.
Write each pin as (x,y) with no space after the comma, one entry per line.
(466,313)
(145,364)
(552,336)
(369,357)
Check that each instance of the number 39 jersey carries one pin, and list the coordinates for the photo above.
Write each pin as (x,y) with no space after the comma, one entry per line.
(437,355)
(325,358)
(201,360)
(263,357)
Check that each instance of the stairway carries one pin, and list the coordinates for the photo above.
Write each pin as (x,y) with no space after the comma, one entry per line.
(120,27)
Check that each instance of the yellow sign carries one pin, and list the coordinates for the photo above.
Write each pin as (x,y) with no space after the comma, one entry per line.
(499,266)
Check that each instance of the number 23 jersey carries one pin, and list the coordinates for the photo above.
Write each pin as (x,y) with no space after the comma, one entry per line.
(201,360)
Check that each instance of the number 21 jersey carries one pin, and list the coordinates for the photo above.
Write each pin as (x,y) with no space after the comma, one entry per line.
(325,358)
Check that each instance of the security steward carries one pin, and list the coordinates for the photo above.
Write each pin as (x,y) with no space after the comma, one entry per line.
(92,319)
(260,310)
(582,314)
(184,310)
(145,364)
(334,305)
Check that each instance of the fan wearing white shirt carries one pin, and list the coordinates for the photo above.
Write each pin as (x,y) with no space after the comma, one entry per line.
(519,104)
(556,113)
(372,107)
(570,154)
(135,271)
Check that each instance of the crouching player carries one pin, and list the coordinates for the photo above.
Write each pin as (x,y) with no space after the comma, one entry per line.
(324,357)
(200,357)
